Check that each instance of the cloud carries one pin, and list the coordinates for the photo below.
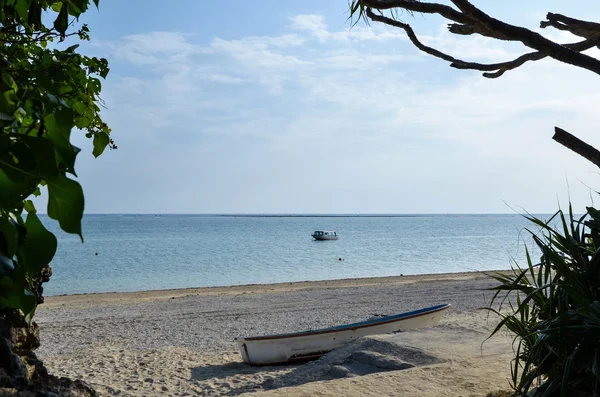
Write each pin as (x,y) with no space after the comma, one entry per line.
(245,124)
(222,78)
(150,48)
(311,23)
(258,52)
(315,25)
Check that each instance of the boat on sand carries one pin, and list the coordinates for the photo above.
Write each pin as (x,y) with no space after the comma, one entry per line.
(310,345)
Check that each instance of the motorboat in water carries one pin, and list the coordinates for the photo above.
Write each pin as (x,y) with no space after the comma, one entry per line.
(325,235)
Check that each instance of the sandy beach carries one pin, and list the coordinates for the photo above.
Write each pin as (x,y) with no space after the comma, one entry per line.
(180,342)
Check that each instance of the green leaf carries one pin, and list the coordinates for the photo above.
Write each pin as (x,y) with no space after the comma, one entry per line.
(61,23)
(104,69)
(8,102)
(43,152)
(6,117)
(11,193)
(34,19)
(4,143)
(72,48)
(56,6)
(9,81)
(10,295)
(39,246)
(65,204)
(78,7)
(95,84)
(6,266)
(20,115)
(101,140)
(22,7)
(59,125)
(28,303)
(28,206)
(37,115)
(85,115)
(10,236)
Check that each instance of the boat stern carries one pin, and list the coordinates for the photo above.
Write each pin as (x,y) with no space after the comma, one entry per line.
(241,342)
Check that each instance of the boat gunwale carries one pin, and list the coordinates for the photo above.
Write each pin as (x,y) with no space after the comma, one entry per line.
(353,326)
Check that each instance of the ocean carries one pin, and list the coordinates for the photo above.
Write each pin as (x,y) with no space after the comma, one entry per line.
(148,252)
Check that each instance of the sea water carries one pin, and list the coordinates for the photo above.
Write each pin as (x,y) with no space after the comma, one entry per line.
(147,252)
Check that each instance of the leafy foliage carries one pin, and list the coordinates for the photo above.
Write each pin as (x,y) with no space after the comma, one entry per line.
(555,308)
(45,92)
(358,11)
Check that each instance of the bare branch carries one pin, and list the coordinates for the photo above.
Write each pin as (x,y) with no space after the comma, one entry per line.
(575,26)
(455,62)
(529,38)
(502,67)
(497,69)
(471,20)
(461,29)
(411,35)
(577,145)
(432,8)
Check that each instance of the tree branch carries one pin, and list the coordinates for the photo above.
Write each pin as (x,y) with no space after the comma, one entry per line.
(471,20)
(529,38)
(575,26)
(577,145)
(411,35)
(502,67)
(498,69)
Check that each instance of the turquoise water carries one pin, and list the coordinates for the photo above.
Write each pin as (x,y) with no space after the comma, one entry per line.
(144,252)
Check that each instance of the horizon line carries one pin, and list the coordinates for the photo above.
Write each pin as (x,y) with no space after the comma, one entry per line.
(317,214)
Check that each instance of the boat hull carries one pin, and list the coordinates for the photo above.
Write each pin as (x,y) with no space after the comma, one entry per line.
(321,238)
(309,345)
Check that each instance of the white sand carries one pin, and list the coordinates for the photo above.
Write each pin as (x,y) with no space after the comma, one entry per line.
(180,342)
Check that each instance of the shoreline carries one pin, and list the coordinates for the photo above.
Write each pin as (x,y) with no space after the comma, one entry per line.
(259,288)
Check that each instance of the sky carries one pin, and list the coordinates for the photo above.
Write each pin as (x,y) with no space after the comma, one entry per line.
(284,107)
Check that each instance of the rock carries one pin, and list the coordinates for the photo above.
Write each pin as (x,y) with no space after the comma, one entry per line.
(22,374)
(25,339)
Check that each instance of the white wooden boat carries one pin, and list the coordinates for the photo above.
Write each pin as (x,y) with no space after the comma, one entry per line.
(310,345)
(325,235)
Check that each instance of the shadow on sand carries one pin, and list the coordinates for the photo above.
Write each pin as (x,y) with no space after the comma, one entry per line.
(363,357)
(229,370)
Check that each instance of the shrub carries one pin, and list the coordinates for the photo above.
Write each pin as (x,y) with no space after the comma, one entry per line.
(554,308)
